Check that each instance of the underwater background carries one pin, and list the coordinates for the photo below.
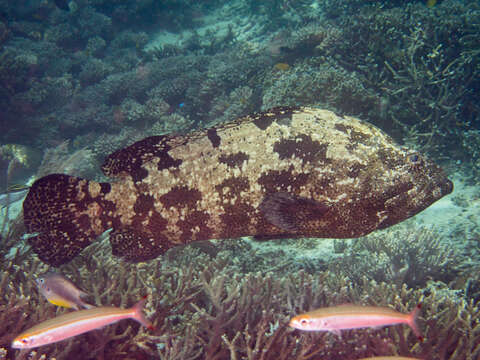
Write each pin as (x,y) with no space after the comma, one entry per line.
(80,79)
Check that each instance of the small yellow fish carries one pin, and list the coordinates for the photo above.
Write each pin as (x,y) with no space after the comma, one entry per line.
(344,317)
(281,66)
(60,291)
(431,3)
(77,322)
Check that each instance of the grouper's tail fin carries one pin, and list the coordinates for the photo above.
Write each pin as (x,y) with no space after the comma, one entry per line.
(68,213)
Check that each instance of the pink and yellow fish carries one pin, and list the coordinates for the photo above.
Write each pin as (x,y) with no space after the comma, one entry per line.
(60,291)
(75,323)
(345,317)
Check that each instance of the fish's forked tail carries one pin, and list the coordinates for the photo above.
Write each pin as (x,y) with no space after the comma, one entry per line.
(139,316)
(412,321)
(68,213)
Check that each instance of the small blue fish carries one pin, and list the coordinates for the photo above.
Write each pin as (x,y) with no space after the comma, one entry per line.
(60,291)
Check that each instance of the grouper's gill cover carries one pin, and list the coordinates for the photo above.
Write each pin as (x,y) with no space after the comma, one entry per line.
(287,172)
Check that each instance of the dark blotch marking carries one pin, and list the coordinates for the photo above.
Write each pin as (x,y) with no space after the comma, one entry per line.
(236,219)
(282,115)
(166,162)
(180,197)
(263,121)
(83,221)
(108,207)
(275,180)
(193,220)
(233,160)
(213,137)
(143,204)
(130,159)
(302,147)
(356,136)
(156,223)
(105,188)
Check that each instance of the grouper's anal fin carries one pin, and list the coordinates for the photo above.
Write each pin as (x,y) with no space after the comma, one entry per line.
(134,246)
(128,161)
(68,213)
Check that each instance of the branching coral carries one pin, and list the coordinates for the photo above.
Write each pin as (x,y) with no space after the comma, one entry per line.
(204,309)
(404,255)
(420,63)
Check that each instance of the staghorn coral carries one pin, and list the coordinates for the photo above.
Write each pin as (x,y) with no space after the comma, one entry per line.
(404,255)
(422,64)
(203,308)
(325,84)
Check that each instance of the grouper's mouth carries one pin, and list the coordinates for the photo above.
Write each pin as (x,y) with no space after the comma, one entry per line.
(410,199)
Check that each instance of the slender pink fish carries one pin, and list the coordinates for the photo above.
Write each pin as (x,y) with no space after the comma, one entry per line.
(76,323)
(345,317)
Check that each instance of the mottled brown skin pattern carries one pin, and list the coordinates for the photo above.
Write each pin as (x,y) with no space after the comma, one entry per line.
(286,172)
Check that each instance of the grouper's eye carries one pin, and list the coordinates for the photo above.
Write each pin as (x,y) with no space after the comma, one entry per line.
(414,159)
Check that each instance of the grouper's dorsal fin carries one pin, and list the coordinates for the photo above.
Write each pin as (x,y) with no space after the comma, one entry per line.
(128,161)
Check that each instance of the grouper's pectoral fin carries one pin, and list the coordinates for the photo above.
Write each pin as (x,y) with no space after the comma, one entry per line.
(135,246)
(290,212)
(68,213)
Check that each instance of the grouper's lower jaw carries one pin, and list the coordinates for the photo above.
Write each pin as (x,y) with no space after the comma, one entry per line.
(424,199)
(446,187)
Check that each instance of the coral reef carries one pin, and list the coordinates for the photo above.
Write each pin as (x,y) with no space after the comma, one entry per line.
(203,309)
(405,255)
(80,79)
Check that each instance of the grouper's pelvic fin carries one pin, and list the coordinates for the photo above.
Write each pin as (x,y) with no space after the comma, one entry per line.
(68,213)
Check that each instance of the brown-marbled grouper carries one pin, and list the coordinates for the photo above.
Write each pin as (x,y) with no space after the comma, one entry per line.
(286,172)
